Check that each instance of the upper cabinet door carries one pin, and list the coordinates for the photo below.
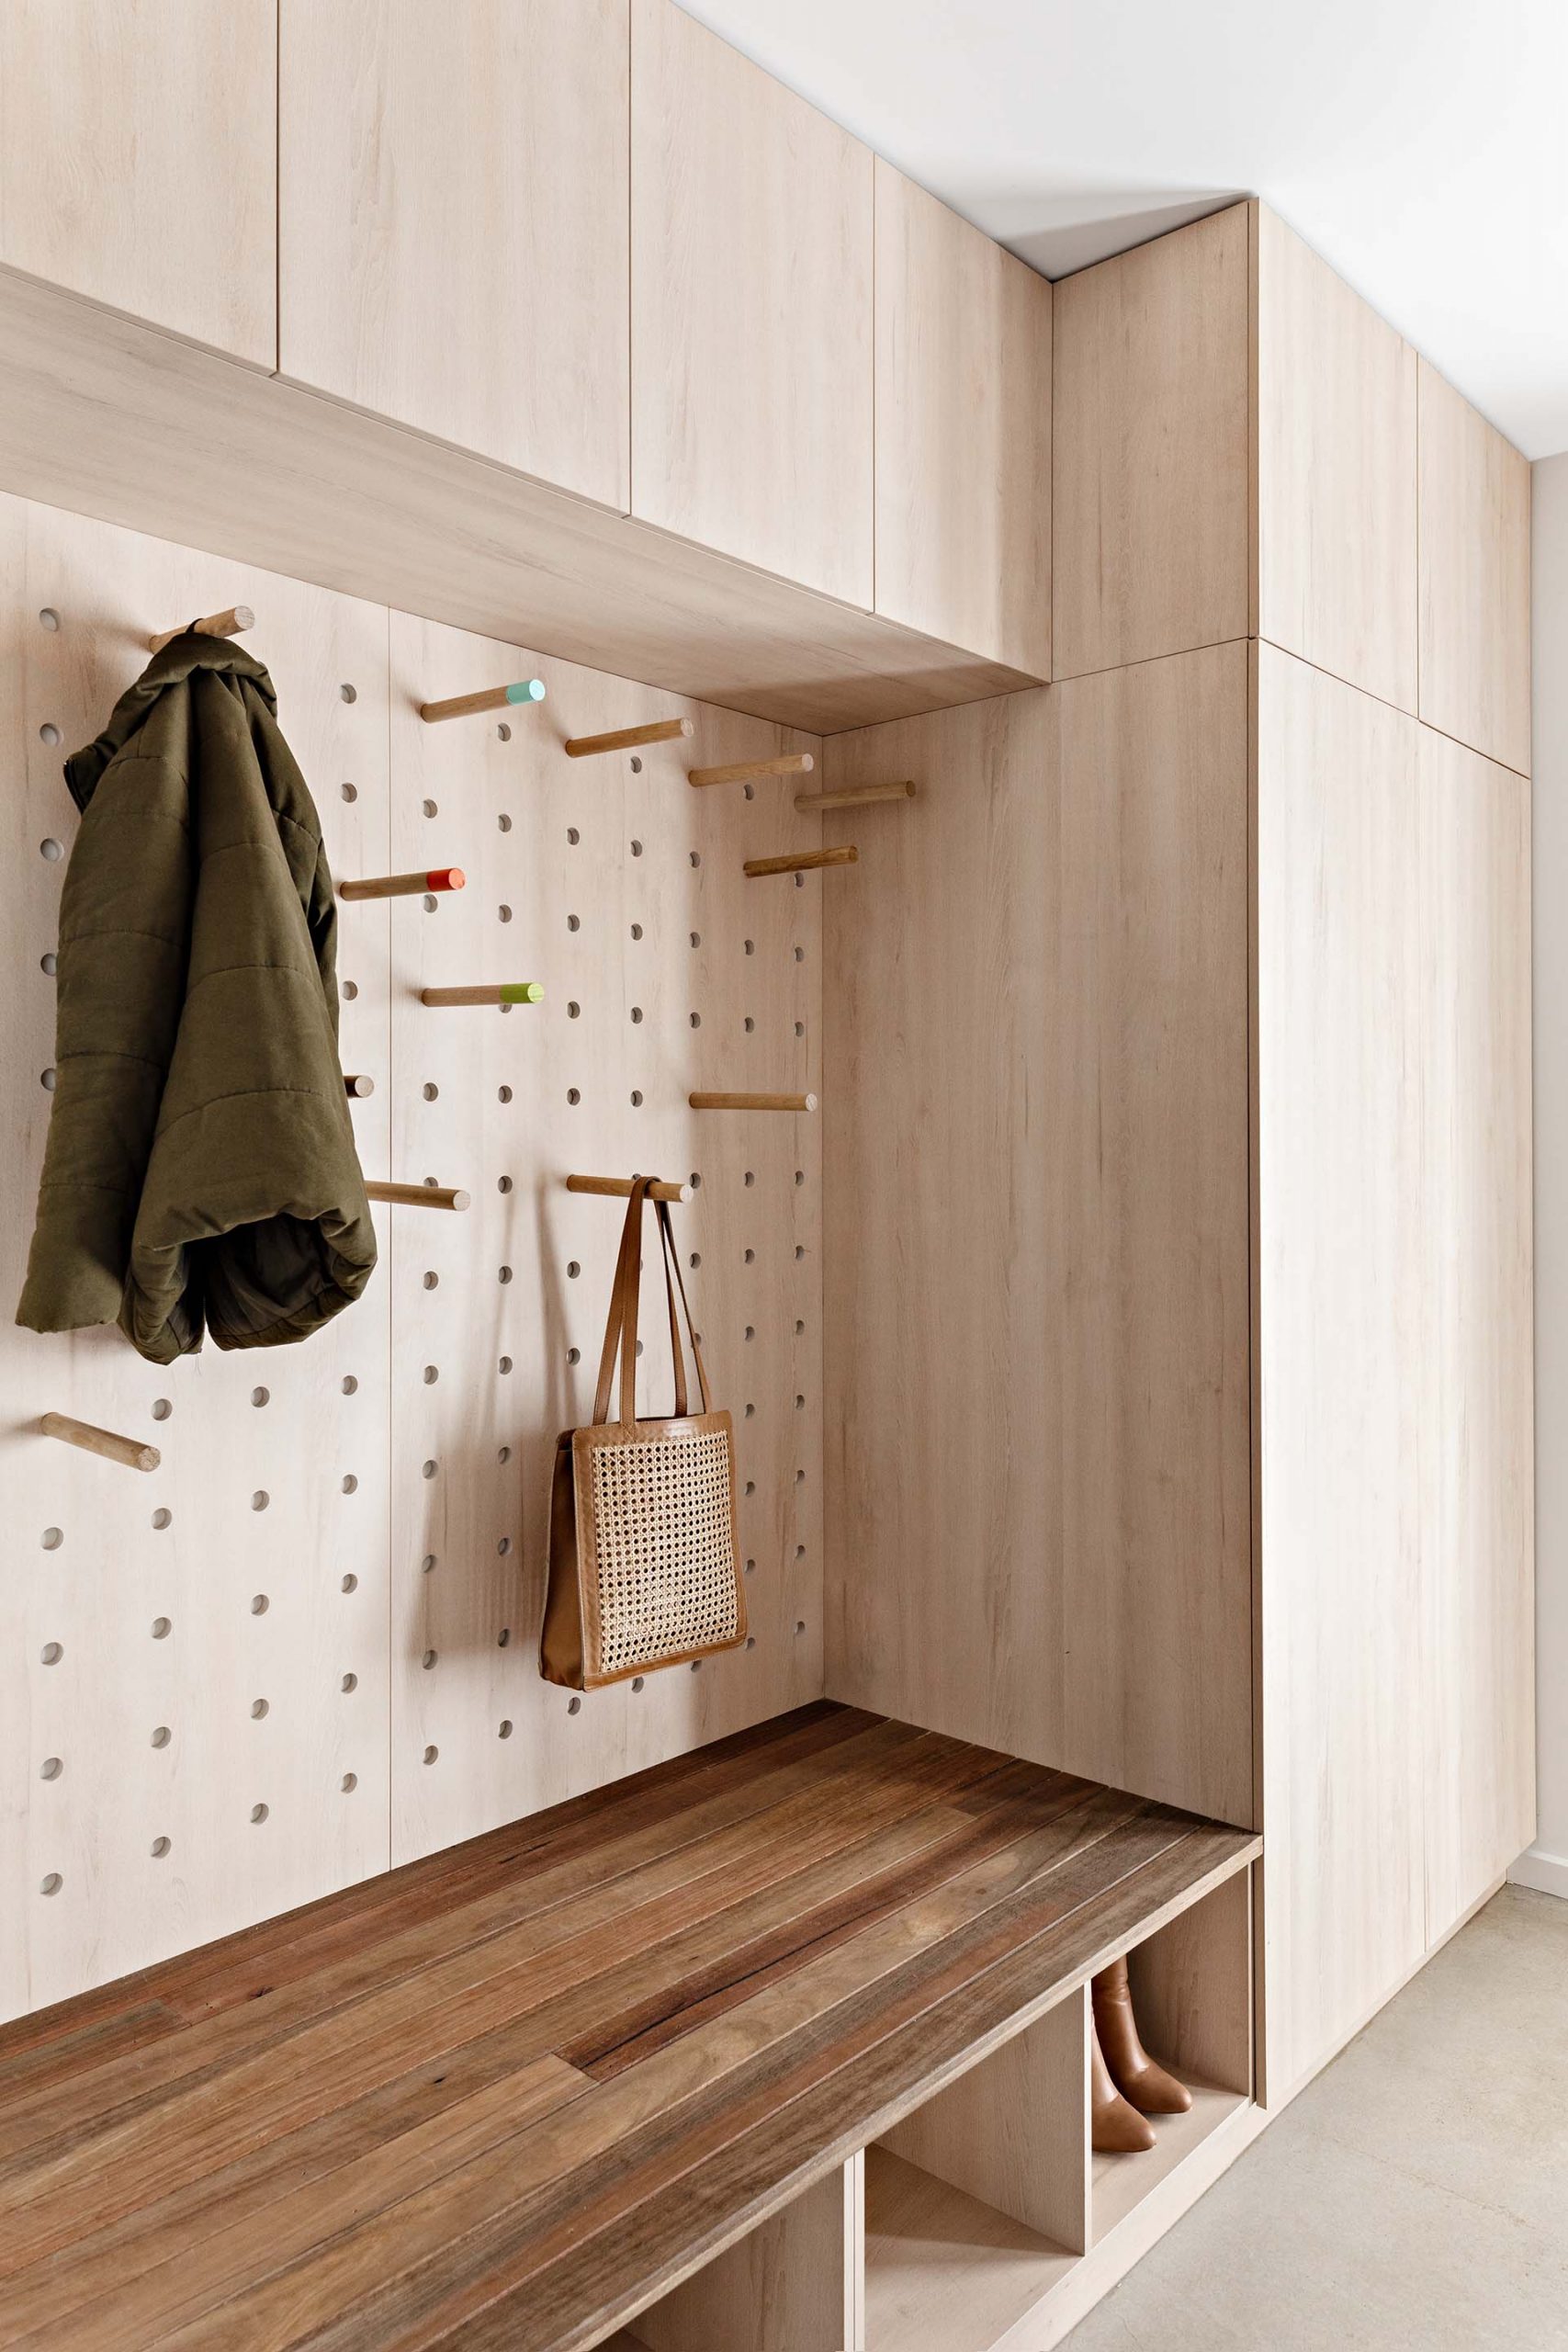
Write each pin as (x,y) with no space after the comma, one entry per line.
(1151,429)
(453,245)
(963,432)
(138,160)
(1335,473)
(751,312)
(1475,577)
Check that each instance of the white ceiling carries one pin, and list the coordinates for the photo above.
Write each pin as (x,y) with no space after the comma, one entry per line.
(1418,144)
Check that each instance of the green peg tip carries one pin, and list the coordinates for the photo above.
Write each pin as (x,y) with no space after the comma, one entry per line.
(520,993)
(529,690)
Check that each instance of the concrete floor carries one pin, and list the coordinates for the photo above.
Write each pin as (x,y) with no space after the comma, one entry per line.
(1412,2198)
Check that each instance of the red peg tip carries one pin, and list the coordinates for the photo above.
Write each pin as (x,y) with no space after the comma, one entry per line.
(446,877)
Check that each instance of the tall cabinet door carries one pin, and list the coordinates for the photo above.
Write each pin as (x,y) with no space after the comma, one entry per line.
(138,160)
(454,235)
(1478,1682)
(751,312)
(1344,1385)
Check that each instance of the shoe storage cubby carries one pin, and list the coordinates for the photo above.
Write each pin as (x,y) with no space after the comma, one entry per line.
(983,2220)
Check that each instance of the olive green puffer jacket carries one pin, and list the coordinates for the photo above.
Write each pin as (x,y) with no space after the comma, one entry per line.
(200,1168)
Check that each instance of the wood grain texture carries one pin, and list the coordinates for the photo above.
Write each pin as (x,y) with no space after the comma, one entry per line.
(454,232)
(104,415)
(751,312)
(1336,472)
(1343,1401)
(391,2149)
(1474,578)
(1478,1596)
(1014,2130)
(963,431)
(790,2285)
(1151,427)
(1040,1366)
(138,162)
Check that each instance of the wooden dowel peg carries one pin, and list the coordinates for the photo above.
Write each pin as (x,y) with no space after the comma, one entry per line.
(358,1085)
(618,1187)
(752,1101)
(859,795)
(526,690)
(233,623)
(489,992)
(416,1197)
(405,885)
(804,861)
(626,739)
(742,770)
(127,1450)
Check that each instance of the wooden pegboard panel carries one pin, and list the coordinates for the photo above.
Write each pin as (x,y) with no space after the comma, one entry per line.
(149,1589)
(201,1617)
(619,886)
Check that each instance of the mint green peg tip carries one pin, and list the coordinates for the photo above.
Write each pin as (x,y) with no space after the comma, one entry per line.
(527,690)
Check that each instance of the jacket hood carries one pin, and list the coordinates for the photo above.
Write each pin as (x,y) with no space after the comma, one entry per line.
(174,662)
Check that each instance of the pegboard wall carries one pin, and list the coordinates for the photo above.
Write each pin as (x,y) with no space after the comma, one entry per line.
(305,1646)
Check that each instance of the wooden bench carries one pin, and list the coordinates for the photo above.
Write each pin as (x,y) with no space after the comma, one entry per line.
(509,2096)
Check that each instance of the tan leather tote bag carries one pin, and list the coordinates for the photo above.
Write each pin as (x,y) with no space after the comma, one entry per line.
(645,1555)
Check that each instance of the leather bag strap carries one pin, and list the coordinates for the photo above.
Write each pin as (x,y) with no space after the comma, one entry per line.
(623,1308)
(672,1258)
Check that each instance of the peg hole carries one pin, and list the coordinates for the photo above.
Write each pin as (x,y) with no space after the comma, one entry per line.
(350,1384)
(502,731)
(637,1683)
(574,1355)
(259,1708)
(350,1483)
(432,1374)
(52,1884)
(428,1660)
(350,1583)
(573,923)
(748,1257)
(574,1706)
(350,990)
(431,1753)
(800,1028)
(503,1183)
(49,733)
(431,1279)
(349,791)
(503,822)
(572,1268)
(637,849)
(162,1409)
(750,1641)
(163,1518)
(637,764)
(430,1091)
(695,1259)
(573,1096)
(750,1024)
(260,1396)
(349,1683)
(504,1365)
(504,1093)
(503,1729)
(47,1078)
(162,1628)
(504,1546)
(260,1500)
(49,848)
(49,963)
(52,1538)
(636,1013)
(637,931)
(750,947)
(503,1273)
(696,857)
(695,1019)
(348,1783)
(636,1098)
(430,809)
(259,1812)
(260,1604)
(427,1469)
(349,694)
(48,617)
(51,1769)
(161,1735)
(573,1010)
(504,1638)
(431,903)
(503,914)
(427,1565)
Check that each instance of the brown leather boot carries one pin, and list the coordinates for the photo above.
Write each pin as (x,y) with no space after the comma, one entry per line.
(1114,2129)
(1141,2083)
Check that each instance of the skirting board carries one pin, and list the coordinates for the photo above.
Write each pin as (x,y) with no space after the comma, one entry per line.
(1548,1874)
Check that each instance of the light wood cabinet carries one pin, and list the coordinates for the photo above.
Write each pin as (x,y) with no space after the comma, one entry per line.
(1341,1332)
(1475,577)
(1478,1698)
(1150,421)
(751,312)
(963,432)
(1336,472)
(138,160)
(454,236)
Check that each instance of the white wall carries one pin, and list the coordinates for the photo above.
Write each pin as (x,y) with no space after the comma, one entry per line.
(1546,1863)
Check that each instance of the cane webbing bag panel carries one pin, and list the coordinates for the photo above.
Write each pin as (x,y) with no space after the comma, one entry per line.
(644,1567)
